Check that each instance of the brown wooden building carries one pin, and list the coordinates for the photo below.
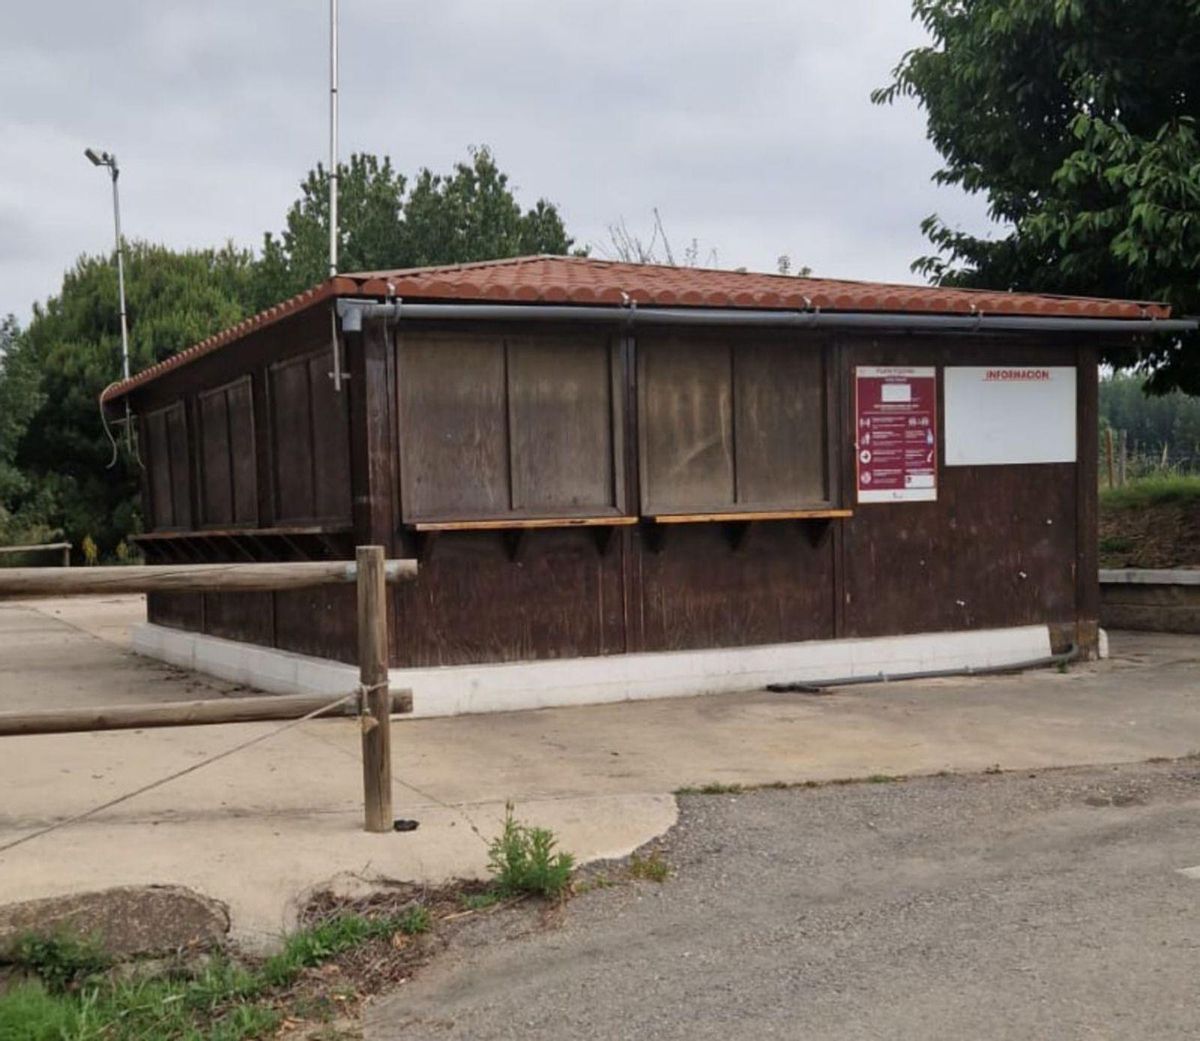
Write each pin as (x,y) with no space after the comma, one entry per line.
(595,459)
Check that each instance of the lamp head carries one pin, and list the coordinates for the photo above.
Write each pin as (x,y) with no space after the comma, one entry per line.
(101,158)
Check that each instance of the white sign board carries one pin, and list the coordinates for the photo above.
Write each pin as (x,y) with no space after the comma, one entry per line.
(1009,414)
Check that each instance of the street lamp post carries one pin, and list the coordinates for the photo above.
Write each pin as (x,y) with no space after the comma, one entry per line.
(107,159)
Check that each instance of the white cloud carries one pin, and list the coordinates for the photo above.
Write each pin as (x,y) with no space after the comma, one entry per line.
(748,125)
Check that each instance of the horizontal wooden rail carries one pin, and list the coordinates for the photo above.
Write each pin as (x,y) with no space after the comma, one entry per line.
(42,547)
(28,583)
(182,714)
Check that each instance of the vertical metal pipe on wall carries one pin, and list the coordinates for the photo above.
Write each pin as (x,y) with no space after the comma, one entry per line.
(336,375)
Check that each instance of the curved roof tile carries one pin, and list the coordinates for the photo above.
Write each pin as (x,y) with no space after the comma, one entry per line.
(583,280)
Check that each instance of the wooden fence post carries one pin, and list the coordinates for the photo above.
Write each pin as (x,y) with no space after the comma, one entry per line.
(1108,444)
(373,675)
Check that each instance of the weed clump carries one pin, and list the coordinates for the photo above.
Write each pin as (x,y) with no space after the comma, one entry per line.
(652,868)
(524,861)
(62,962)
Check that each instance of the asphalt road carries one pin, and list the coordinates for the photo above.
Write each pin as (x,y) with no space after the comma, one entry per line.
(1047,906)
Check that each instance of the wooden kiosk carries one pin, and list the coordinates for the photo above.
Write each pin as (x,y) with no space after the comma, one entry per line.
(634,480)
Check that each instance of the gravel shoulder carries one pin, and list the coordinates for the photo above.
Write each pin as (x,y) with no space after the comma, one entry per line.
(1045,904)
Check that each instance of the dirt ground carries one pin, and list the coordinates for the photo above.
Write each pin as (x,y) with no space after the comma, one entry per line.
(1157,536)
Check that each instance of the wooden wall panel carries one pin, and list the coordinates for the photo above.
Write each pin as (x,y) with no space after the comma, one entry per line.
(167,454)
(701,591)
(561,424)
(310,427)
(179,449)
(560,598)
(330,443)
(732,422)
(240,616)
(244,473)
(291,439)
(686,425)
(320,622)
(157,454)
(216,482)
(176,610)
(225,436)
(780,423)
(453,421)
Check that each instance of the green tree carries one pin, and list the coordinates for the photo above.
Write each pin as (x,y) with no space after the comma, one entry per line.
(1077,120)
(469,214)
(370,225)
(72,348)
(21,514)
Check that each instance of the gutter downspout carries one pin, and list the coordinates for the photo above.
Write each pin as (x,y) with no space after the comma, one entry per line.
(353,311)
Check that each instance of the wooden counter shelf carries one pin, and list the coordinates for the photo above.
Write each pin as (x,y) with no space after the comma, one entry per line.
(737,523)
(743,516)
(524,523)
(513,530)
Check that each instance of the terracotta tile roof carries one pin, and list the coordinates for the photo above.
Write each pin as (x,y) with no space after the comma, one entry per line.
(582,280)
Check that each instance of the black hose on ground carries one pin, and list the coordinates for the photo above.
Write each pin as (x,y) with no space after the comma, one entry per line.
(927,674)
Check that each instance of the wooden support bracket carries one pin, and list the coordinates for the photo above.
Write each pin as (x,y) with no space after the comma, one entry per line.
(816,530)
(736,533)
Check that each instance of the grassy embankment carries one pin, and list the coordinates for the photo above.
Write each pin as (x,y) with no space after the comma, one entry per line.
(1153,522)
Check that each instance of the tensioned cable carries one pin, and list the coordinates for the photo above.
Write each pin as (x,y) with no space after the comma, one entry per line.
(177,774)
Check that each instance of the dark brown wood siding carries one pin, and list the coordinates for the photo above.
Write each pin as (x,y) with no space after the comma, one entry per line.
(479,423)
(225,433)
(998,548)
(169,470)
(311,439)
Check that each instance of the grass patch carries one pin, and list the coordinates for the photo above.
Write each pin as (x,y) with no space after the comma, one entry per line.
(652,868)
(61,961)
(524,861)
(74,998)
(1155,490)
(480,901)
(712,788)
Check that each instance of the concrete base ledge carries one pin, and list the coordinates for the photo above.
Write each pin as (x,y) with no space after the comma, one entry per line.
(461,689)
(1157,600)
(1132,576)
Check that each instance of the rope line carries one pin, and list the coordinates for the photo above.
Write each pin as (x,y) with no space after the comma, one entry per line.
(178,773)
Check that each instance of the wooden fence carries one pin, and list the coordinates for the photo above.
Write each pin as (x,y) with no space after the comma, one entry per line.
(375,702)
(63,548)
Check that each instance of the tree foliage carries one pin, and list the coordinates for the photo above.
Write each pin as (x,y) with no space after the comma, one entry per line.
(72,348)
(468,214)
(1077,120)
(1170,419)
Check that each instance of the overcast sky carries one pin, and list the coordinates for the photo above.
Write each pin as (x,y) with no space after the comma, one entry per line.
(747,124)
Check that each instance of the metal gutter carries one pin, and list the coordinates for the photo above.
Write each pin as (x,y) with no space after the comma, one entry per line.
(352,313)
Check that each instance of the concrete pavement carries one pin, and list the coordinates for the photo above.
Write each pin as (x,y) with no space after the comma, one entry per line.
(261,827)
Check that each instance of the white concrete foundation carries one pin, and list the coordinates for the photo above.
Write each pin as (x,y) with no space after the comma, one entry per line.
(459,689)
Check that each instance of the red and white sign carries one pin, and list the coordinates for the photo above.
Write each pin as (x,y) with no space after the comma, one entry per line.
(895,416)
